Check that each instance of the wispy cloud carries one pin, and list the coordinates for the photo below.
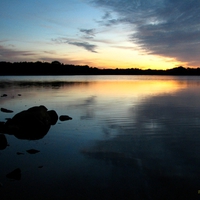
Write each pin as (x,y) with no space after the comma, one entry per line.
(7,54)
(14,55)
(90,32)
(162,27)
(76,42)
(85,45)
(107,15)
(108,20)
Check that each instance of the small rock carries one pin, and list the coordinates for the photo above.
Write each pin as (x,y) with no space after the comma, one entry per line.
(19,95)
(32,151)
(3,142)
(40,166)
(64,118)
(15,174)
(19,153)
(2,127)
(7,118)
(4,95)
(6,110)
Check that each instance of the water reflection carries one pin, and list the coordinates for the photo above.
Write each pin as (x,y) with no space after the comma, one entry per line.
(36,84)
(130,138)
(160,145)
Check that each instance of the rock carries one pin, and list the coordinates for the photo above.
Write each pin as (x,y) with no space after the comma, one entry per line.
(32,124)
(53,116)
(2,127)
(6,110)
(7,118)
(32,151)
(19,153)
(15,174)
(3,142)
(64,118)
(4,95)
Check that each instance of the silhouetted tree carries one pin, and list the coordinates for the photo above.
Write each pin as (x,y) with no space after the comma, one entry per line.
(56,63)
(56,68)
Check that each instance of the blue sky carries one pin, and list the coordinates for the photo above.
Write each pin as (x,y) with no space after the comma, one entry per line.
(155,34)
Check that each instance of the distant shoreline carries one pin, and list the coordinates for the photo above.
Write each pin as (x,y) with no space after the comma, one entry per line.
(56,68)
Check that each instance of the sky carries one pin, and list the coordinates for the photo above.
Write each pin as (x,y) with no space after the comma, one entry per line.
(145,34)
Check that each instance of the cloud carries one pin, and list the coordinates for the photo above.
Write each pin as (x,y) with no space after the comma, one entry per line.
(90,32)
(75,42)
(12,55)
(108,20)
(107,15)
(85,45)
(162,27)
(6,53)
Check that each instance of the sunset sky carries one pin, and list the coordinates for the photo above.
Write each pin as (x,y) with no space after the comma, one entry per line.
(156,34)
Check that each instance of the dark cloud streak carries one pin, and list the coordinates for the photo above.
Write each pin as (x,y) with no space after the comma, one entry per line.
(88,31)
(85,45)
(88,34)
(7,53)
(78,43)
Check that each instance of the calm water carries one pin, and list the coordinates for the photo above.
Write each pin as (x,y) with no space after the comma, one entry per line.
(131,137)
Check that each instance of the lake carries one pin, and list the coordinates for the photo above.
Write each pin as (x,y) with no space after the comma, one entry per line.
(131,137)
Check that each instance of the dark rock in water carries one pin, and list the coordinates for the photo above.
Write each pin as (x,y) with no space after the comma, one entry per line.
(53,116)
(32,151)
(40,166)
(3,142)
(19,153)
(6,110)
(7,118)
(32,124)
(64,118)
(4,95)
(2,127)
(19,95)
(15,174)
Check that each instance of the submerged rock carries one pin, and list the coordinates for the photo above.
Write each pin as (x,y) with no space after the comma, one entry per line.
(19,153)
(3,142)
(6,110)
(64,118)
(2,127)
(32,151)
(15,174)
(32,124)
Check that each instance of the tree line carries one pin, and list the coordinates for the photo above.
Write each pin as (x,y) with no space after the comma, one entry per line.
(57,68)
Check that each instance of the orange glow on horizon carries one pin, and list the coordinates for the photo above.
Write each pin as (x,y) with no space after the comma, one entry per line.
(124,59)
(136,88)
(132,88)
